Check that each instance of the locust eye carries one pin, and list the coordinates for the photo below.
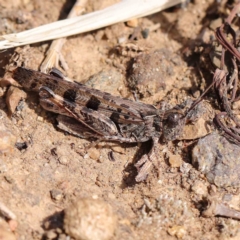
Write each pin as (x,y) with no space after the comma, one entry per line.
(173,119)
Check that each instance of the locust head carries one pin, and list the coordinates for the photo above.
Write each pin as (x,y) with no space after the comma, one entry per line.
(174,120)
(173,124)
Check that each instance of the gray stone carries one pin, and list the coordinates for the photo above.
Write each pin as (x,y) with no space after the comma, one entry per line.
(218,159)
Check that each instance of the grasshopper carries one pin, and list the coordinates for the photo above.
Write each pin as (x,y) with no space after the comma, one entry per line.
(91,113)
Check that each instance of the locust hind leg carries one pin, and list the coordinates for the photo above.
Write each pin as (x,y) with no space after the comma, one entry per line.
(72,126)
(96,122)
(145,164)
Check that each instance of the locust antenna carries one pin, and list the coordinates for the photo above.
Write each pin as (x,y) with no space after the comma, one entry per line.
(216,78)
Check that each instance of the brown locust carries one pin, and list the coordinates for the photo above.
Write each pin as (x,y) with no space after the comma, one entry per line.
(89,112)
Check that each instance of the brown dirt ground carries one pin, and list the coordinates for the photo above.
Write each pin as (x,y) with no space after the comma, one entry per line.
(165,206)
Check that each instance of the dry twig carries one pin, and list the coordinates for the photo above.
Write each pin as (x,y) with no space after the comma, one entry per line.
(54,56)
(227,86)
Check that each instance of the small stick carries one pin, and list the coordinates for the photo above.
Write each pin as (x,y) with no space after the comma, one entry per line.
(221,209)
(220,36)
(54,56)
(217,78)
(235,77)
(235,137)
(233,13)
(6,212)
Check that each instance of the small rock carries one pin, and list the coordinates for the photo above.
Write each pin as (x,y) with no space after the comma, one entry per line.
(40,119)
(236,105)
(93,153)
(62,154)
(63,236)
(197,129)
(63,160)
(107,81)
(58,230)
(196,94)
(200,122)
(149,72)
(185,168)
(133,22)
(200,188)
(90,219)
(56,194)
(214,24)
(145,33)
(51,234)
(232,200)
(218,159)
(7,140)
(21,145)
(175,160)
(14,95)
(101,159)
(178,231)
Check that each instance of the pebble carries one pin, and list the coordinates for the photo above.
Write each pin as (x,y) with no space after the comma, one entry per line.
(218,159)
(178,231)
(40,119)
(214,24)
(150,71)
(185,168)
(56,194)
(88,219)
(108,81)
(197,129)
(63,160)
(145,33)
(7,140)
(14,95)
(51,234)
(196,94)
(200,122)
(133,23)
(93,153)
(200,188)
(236,105)
(175,160)
(63,237)
(62,154)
